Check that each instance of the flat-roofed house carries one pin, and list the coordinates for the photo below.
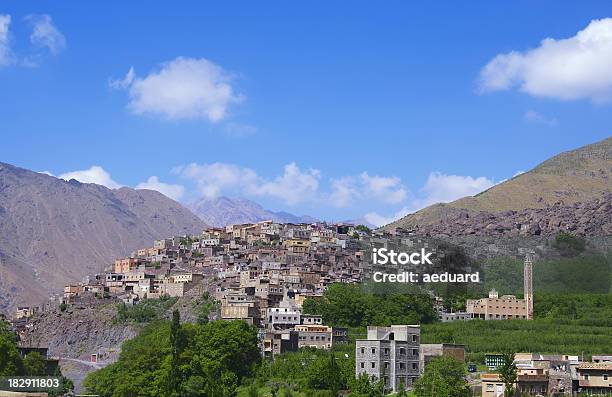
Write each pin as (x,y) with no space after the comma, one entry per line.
(313,335)
(595,378)
(390,353)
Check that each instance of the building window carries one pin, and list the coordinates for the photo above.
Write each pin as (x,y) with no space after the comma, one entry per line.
(386,364)
(373,350)
(605,377)
(415,366)
(362,365)
(490,387)
(363,350)
(373,364)
(386,350)
(586,377)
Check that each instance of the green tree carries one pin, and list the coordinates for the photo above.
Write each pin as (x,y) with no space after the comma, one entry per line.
(206,306)
(175,351)
(352,306)
(402,390)
(324,373)
(363,228)
(10,360)
(443,377)
(569,245)
(253,391)
(508,375)
(142,368)
(364,387)
(34,364)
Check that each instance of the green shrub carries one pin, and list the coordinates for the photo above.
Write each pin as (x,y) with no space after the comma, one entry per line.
(569,245)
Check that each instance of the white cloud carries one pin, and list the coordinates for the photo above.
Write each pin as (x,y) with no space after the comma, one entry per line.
(212,179)
(574,68)
(175,192)
(381,220)
(534,117)
(185,88)
(293,187)
(442,188)
(439,188)
(94,174)
(6,54)
(46,34)
(123,83)
(386,189)
(346,190)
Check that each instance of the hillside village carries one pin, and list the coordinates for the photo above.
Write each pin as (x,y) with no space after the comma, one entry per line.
(262,273)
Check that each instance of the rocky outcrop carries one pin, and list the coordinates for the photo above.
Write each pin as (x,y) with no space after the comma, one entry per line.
(589,218)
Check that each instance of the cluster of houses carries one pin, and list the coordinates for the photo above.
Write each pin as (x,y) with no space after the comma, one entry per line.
(275,260)
(396,355)
(551,375)
(262,273)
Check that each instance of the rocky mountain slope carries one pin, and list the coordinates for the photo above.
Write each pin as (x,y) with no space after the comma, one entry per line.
(589,218)
(54,232)
(222,211)
(577,176)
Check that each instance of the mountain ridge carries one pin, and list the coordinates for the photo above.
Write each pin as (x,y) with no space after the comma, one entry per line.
(222,211)
(573,176)
(53,232)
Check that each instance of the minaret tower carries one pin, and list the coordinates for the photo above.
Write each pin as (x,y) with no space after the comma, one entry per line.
(528,285)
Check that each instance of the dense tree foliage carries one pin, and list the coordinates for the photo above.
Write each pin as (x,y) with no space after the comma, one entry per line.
(364,387)
(310,370)
(508,374)
(569,245)
(363,228)
(578,274)
(169,359)
(10,361)
(34,364)
(444,376)
(349,305)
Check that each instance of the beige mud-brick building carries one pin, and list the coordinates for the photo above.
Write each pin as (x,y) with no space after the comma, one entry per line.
(312,335)
(595,378)
(495,307)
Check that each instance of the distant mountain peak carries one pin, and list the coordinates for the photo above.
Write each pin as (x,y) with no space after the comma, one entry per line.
(222,211)
(54,232)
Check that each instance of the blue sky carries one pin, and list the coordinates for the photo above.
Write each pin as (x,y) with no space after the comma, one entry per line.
(332,109)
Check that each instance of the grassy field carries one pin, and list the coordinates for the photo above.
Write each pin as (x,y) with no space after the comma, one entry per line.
(537,336)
